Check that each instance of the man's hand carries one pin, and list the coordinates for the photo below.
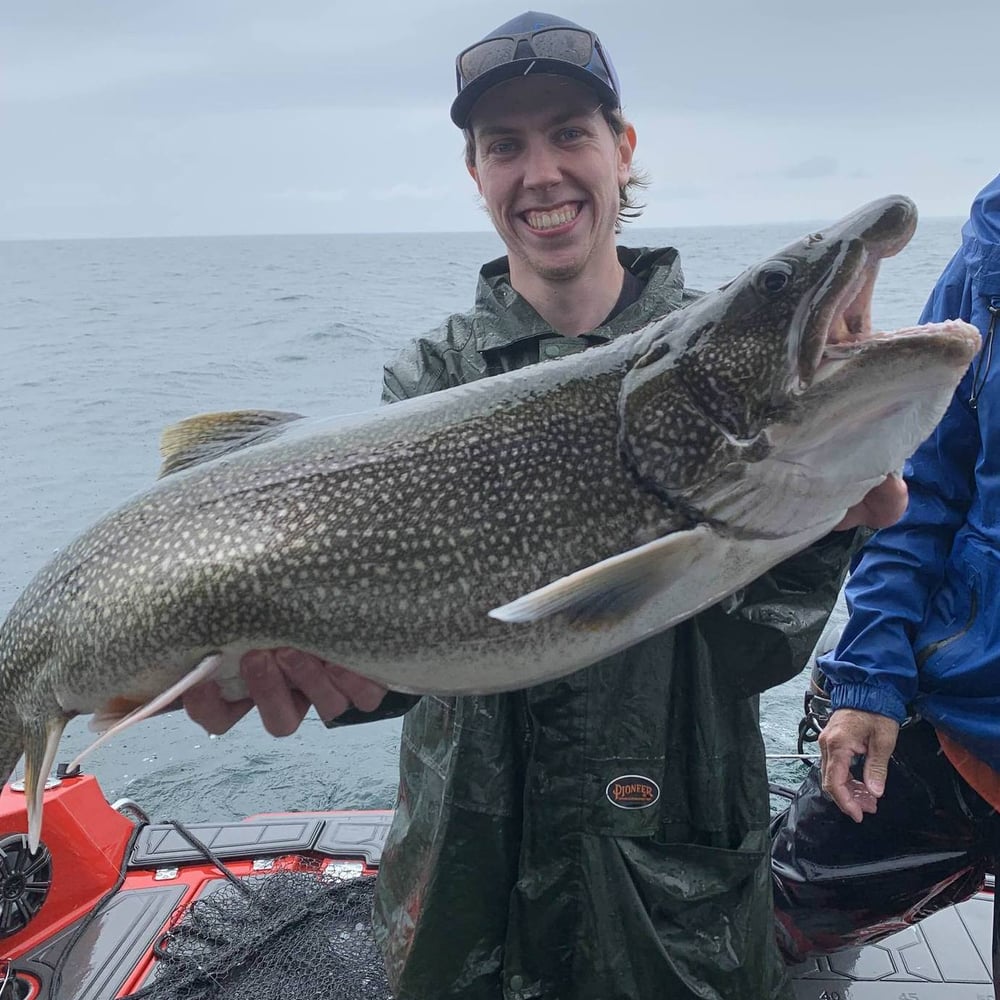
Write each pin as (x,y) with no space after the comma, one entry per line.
(850,732)
(283,683)
(881,506)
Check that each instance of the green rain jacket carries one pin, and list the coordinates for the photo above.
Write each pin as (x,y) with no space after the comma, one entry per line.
(603,836)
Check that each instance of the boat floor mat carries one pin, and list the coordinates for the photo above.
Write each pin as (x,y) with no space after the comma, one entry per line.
(92,958)
(357,835)
(948,956)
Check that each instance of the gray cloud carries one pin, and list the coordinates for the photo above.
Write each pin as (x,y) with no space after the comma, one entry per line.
(125,118)
(812,168)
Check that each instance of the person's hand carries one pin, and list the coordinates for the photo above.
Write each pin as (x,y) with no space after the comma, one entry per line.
(283,683)
(881,506)
(848,733)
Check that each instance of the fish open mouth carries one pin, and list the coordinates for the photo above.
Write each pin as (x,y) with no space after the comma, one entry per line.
(850,334)
(849,331)
(852,322)
(842,263)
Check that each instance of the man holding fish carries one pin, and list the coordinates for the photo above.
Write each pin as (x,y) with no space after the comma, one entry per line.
(587,570)
(604,835)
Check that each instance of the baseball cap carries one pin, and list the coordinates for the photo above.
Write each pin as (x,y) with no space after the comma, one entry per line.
(533,42)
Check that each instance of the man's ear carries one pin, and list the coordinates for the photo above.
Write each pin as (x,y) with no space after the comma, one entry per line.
(474,174)
(626,149)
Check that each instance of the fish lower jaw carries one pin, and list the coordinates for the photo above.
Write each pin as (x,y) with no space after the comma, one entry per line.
(957,335)
(862,432)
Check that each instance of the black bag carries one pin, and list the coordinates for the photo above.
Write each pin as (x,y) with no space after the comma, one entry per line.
(840,884)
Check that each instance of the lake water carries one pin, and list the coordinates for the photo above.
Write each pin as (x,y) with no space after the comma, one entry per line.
(105,342)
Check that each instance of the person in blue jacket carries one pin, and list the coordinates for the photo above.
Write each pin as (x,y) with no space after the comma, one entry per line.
(913,685)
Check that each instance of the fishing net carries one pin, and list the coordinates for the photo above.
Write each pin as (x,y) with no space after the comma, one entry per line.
(294,935)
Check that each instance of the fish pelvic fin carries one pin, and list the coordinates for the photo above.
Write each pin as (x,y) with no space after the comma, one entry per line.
(211,435)
(41,744)
(602,595)
(113,721)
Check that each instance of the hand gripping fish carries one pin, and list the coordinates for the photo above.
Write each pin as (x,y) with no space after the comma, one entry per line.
(497,534)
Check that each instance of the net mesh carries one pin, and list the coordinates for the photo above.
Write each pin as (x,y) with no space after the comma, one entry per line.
(297,935)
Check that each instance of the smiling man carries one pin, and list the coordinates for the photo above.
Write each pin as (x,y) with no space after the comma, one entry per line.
(550,167)
(515,869)
(603,836)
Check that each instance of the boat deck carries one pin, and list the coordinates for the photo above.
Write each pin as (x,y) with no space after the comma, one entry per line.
(107,953)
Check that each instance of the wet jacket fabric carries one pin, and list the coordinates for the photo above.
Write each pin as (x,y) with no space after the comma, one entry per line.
(923,634)
(603,836)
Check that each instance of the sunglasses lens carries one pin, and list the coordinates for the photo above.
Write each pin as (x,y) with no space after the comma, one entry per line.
(484,56)
(567,44)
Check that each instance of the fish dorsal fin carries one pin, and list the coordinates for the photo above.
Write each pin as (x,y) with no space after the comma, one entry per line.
(603,594)
(211,435)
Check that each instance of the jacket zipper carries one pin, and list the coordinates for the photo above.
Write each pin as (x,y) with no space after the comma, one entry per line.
(979,378)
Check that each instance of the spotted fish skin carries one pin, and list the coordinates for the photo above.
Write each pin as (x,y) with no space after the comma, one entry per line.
(502,533)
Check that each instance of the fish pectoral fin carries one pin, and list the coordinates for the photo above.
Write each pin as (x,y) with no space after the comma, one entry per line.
(41,744)
(603,594)
(211,435)
(117,717)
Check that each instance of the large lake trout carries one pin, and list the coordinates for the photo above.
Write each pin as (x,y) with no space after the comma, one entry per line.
(496,534)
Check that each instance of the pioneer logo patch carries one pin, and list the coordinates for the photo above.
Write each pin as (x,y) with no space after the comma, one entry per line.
(633,791)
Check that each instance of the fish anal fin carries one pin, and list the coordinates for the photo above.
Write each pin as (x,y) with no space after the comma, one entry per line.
(109,719)
(211,435)
(116,708)
(603,594)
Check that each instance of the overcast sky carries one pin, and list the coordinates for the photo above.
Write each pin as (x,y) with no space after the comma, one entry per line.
(172,117)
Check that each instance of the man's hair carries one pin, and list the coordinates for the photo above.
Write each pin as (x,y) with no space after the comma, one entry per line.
(628,207)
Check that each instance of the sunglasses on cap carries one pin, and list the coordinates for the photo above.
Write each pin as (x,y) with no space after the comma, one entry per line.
(575,46)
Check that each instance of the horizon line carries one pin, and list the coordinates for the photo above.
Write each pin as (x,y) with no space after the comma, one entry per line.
(416,232)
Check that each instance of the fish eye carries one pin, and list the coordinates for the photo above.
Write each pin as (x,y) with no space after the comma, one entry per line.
(774,277)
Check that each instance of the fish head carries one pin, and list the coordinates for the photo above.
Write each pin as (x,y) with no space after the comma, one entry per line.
(778,380)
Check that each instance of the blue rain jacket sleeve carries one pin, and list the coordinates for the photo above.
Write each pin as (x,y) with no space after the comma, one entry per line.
(903,568)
